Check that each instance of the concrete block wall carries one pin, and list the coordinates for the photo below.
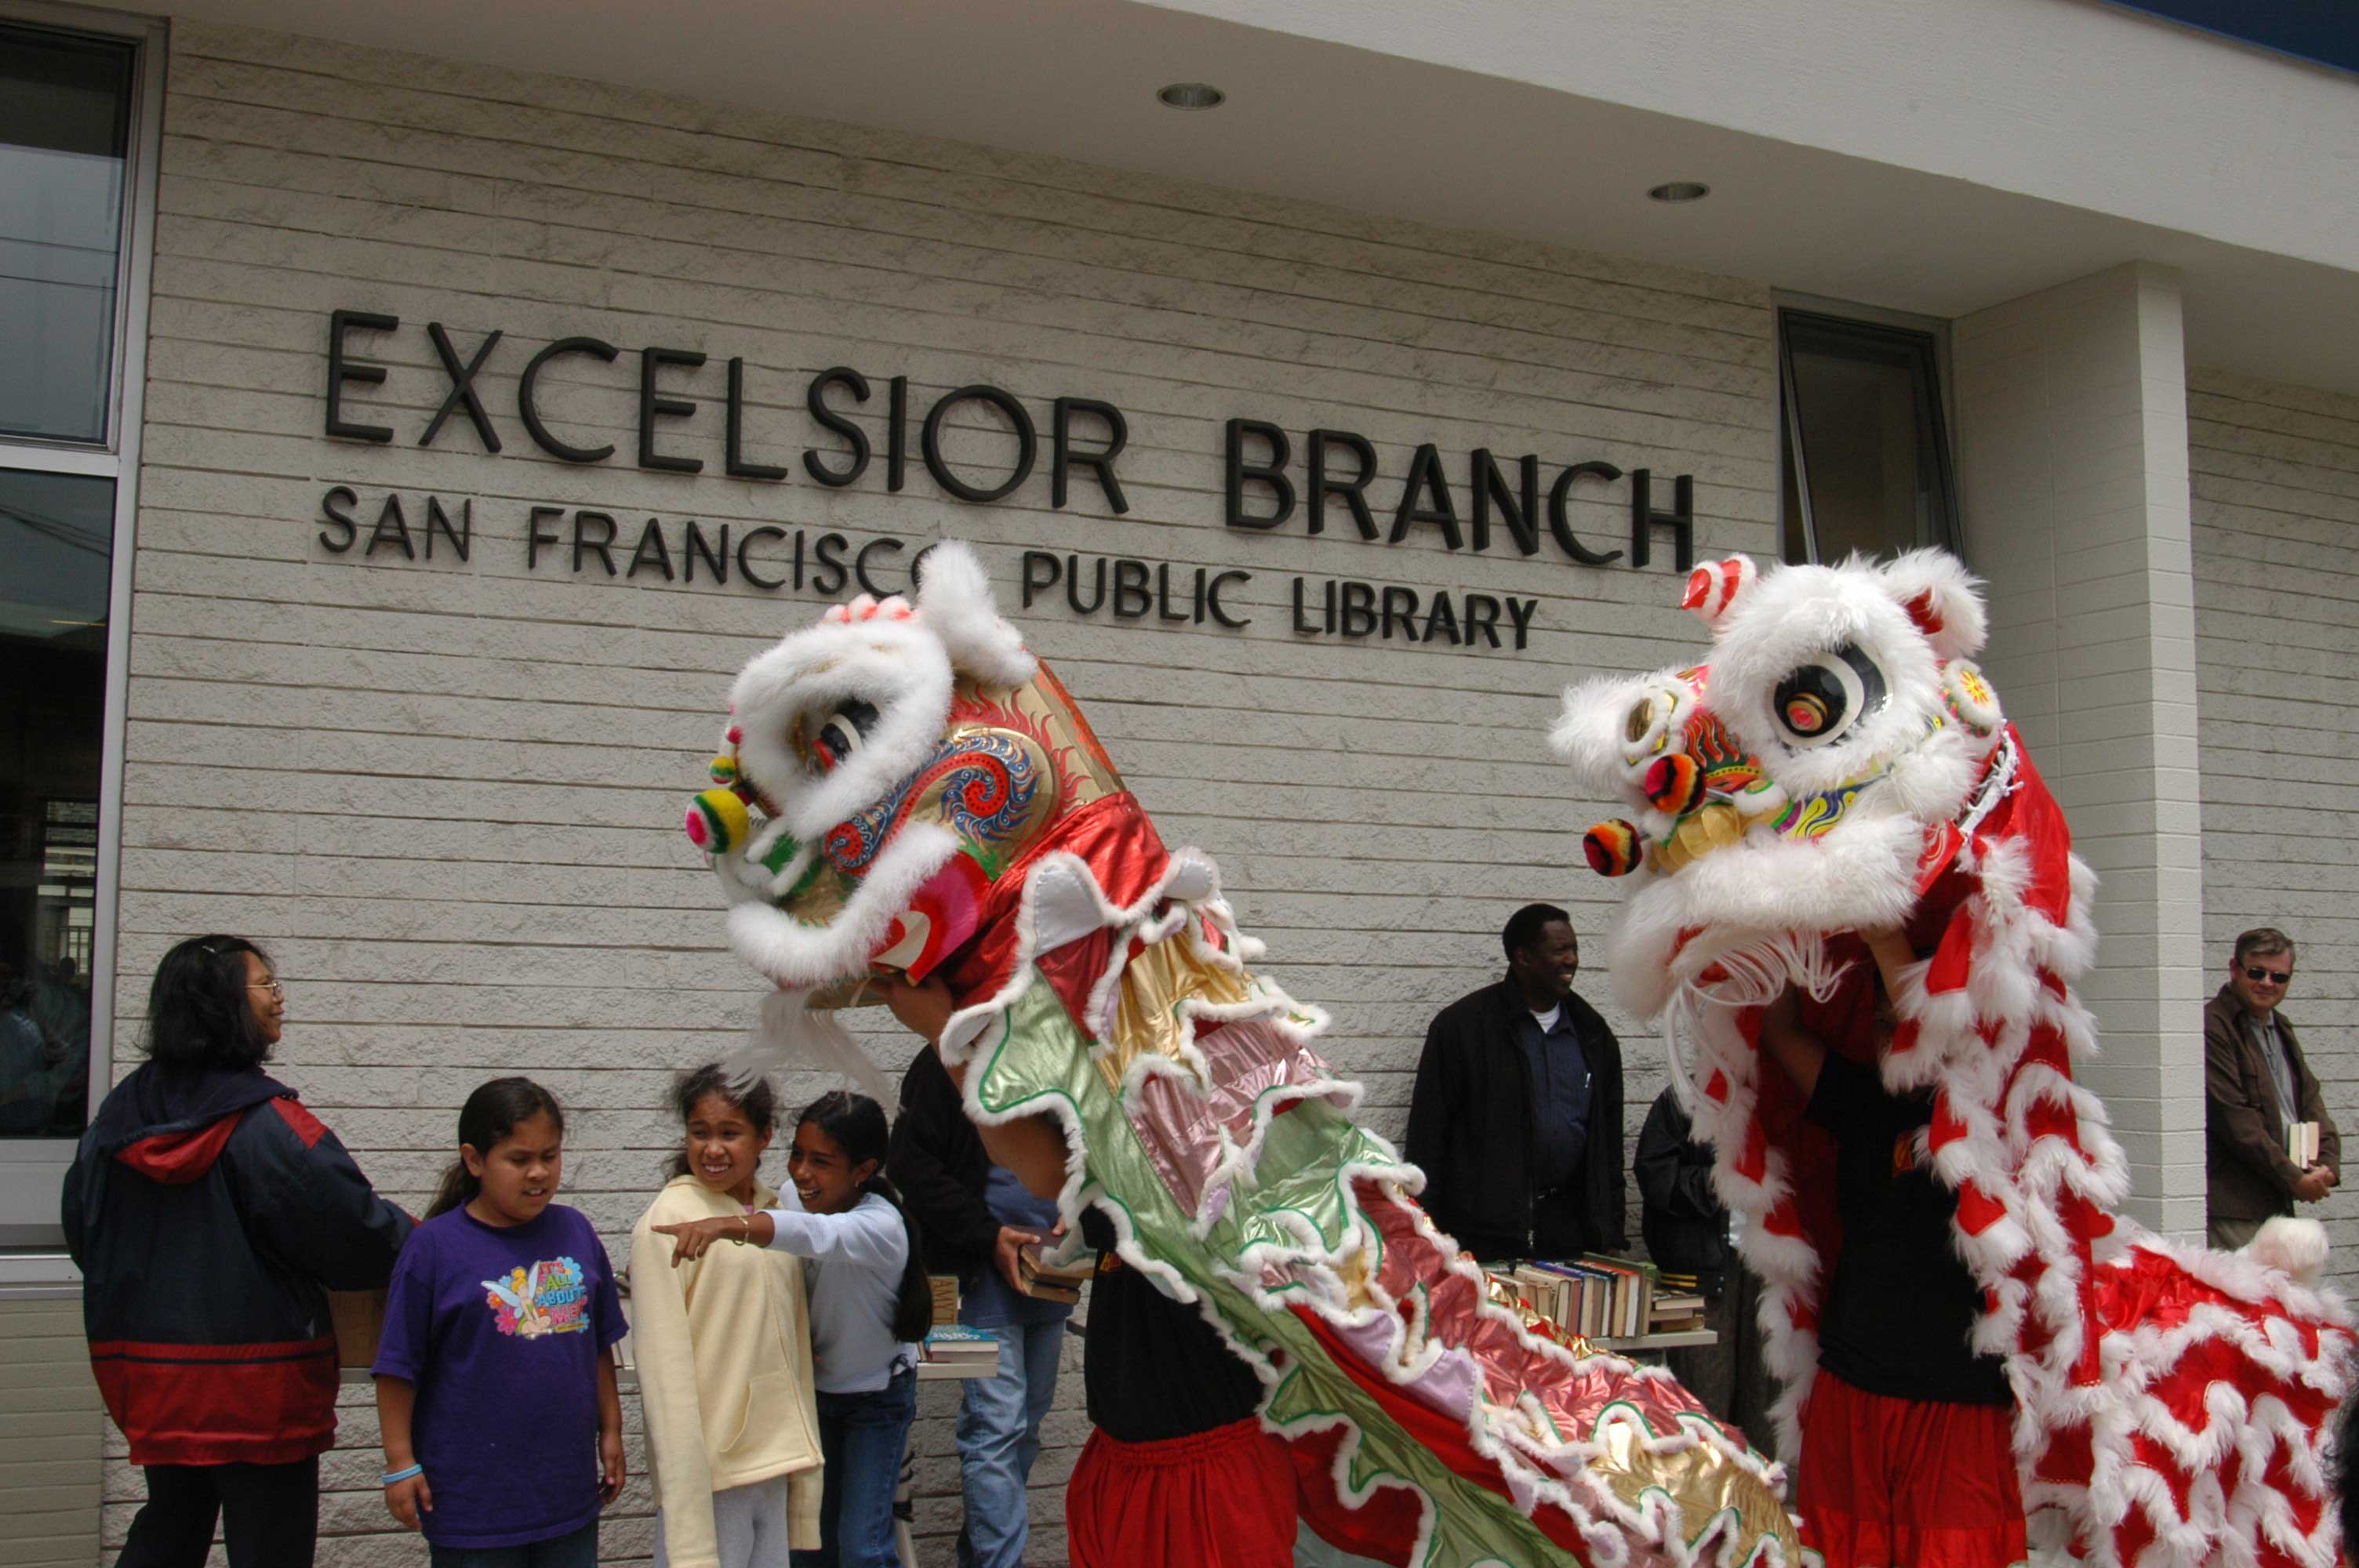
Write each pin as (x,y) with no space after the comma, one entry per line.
(446,794)
(2275,471)
(52,1438)
(2073,468)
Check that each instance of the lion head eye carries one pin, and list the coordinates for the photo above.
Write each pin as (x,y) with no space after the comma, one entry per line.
(1821,699)
(840,734)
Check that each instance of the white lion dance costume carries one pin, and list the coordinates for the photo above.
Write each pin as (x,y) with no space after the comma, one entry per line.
(1838,766)
(905,785)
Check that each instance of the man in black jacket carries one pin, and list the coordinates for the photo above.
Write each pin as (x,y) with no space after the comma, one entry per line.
(1516,1116)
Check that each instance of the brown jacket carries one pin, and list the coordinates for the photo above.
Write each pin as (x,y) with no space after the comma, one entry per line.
(2250,1175)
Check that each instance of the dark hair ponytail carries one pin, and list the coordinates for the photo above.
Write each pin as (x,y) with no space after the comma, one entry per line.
(857,1126)
(491,1113)
(688,1091)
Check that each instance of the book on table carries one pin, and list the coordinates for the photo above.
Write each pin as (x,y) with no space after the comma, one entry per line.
(1595,1296)
(1634,1292)
(1676,1312)
(1588,1295)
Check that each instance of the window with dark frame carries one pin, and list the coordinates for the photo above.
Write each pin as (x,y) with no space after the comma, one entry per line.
(65,126)
(1865,449)
(76,138)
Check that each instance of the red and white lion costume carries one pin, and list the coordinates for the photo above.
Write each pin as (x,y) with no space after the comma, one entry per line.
(1839,766)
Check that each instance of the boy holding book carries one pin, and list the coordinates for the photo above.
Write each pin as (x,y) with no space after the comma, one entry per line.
(978,1221)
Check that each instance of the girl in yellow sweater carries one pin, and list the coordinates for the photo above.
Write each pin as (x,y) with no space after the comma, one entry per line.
(724,1350)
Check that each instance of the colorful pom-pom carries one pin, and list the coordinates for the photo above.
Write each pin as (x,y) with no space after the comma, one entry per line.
(1612,847)
(723,770)
(718,821)
(1970,700)
(1674,784)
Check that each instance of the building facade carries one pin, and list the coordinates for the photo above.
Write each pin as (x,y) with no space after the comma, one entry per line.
(429,425)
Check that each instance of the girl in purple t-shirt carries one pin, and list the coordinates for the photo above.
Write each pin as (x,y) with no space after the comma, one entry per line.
(503,1427)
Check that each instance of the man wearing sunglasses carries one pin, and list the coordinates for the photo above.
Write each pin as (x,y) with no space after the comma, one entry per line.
(2256,1086)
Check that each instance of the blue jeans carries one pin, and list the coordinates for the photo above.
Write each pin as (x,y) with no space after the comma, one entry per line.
(862,1437)
(999,1435)
(579,1550)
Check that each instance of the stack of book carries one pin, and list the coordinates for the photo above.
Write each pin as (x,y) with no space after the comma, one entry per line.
(1050,1281)
(946,1296)
(954,1343)
(1594,1296)
(1677,1304)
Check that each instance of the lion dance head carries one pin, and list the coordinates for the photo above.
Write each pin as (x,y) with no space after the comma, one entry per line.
(1839,764)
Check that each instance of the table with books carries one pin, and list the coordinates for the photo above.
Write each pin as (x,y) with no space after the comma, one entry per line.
(1623,1304)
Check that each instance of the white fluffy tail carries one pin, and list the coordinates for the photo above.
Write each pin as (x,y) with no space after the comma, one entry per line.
(2296,1247)
(790,1034)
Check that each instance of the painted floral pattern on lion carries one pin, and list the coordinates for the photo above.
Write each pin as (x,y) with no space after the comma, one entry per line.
(1839,764)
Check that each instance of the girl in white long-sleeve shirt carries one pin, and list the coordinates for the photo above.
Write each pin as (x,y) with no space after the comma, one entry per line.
(869,1306)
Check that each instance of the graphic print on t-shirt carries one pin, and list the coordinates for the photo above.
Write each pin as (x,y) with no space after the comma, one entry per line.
(548,1298)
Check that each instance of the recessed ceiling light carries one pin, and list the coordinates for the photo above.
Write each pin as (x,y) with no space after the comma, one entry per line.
(1191,95)
(1680,190)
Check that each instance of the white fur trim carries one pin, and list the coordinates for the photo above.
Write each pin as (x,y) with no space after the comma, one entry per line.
(2294,1245)
(955,602)
(795,953)
(1949,593)
(898,667)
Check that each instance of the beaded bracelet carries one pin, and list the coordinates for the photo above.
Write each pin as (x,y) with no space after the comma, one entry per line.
(391,1477)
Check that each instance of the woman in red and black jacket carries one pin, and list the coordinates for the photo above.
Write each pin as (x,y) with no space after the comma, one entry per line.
(209,1213)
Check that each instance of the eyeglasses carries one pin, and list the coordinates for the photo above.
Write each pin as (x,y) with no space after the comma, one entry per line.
(277,991)
(2261,977)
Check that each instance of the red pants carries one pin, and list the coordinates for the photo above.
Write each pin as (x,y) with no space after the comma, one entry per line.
(1891,1483)
(1222,1499)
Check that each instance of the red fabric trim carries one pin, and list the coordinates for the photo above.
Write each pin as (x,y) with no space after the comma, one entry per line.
(306,1127)
(219,1404)
(1753,1156)
(1977,1210)
(2031,816)
(1940,852)
(1946,1127)
(1438,1434)
(1382,1528)
(1953,960)
(179,1159)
